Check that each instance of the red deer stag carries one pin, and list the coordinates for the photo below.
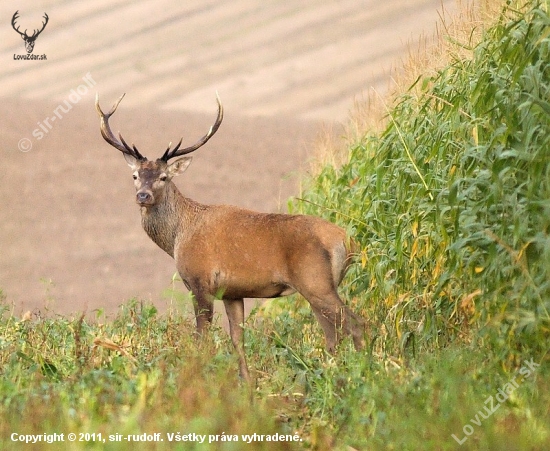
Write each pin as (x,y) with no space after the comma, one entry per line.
(229,253)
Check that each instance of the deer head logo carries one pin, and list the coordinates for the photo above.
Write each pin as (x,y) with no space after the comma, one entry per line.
(29,40)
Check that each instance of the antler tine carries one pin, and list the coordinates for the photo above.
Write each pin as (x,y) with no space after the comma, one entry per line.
(13,20)
(177,152)
(177,146)
(108,135)
(37,32)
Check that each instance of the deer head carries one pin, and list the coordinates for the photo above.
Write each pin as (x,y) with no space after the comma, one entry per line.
(152,177)
(29,40)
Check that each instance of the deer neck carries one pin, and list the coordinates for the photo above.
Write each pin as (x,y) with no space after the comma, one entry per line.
(171,217)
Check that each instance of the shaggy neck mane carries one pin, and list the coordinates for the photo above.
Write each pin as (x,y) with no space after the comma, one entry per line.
(171,214)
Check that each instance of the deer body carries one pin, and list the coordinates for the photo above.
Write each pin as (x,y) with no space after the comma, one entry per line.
(229,253)
(204,250)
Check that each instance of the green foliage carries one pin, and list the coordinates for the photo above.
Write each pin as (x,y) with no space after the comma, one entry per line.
(145,373)
(140,372)
(451,203)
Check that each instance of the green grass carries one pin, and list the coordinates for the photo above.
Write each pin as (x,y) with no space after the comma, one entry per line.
(55,380)
(451,206)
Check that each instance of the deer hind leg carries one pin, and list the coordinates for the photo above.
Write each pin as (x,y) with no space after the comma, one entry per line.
(332,335)
(318,284)
(353,324)
(316,273)
(235,314)
(336,318)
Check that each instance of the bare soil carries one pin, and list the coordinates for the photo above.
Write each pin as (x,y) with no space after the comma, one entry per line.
(70,234)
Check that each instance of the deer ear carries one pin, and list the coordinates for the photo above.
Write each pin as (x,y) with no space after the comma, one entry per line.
(179,166)
(131,160)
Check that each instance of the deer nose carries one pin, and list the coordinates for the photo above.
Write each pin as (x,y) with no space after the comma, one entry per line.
(144,197)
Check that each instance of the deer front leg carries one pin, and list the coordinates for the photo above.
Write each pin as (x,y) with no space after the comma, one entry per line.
(235,314)
(204,310)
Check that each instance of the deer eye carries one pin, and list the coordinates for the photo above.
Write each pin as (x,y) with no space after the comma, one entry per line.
(162,178)
(134,176)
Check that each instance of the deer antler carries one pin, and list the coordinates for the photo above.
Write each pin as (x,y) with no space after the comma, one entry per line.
(177,152)
(13,19)
(36,32)
(108,134)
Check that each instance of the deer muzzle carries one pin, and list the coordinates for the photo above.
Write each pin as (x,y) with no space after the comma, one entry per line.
(144,198)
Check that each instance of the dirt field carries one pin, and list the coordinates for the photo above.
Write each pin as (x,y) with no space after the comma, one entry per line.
(70,234)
